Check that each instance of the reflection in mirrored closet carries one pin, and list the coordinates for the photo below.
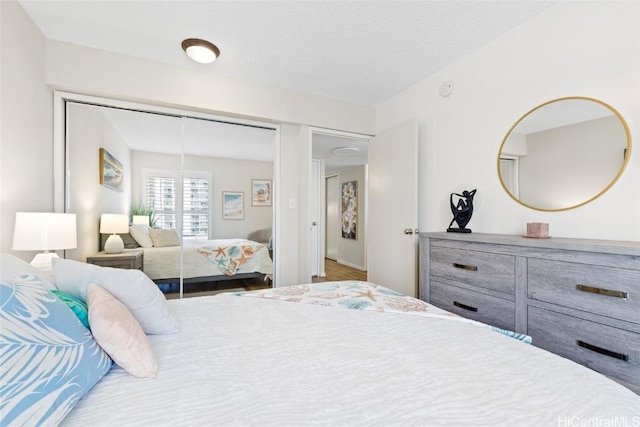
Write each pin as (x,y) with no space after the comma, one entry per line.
(564,153)
(197,194)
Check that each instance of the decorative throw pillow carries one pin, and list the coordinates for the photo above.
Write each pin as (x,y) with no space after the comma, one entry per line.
(129,241)
(163,238)
(140,232)
(76,305)
(119,334)
(49,360)
(12,267)
(131,287)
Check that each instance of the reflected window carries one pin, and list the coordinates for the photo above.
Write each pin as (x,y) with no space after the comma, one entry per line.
(161,199)
(509,173)
(195,217)
(162,189)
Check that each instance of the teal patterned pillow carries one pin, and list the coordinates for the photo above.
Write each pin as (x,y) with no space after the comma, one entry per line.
(76,305)
(49,360)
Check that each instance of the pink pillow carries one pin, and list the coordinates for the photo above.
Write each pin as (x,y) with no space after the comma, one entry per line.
(119,334)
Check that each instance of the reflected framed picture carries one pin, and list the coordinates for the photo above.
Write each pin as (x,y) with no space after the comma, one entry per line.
(232,205)
(261,192)
(350,210)
(111,173)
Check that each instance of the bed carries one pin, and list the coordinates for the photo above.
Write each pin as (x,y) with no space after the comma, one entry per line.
(337,353)
(207,260)
(202,260)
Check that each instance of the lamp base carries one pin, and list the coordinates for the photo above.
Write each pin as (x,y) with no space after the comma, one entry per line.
(42,261)
(114,244)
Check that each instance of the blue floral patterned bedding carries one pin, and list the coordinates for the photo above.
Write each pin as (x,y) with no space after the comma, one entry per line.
(358,295)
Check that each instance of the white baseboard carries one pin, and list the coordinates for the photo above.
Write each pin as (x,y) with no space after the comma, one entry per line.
(348,264)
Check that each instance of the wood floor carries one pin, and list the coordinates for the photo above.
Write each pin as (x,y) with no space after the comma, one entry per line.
(336,271)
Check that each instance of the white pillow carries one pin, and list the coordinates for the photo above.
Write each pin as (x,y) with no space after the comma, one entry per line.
(131,287)
(119,334)
(140,232)
(12,268)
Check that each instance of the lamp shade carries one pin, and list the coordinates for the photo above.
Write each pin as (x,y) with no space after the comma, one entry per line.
(141,219)
(44,231)
(114,223)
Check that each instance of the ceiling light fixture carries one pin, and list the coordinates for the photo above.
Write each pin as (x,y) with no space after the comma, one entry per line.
(200,50)
(345,151)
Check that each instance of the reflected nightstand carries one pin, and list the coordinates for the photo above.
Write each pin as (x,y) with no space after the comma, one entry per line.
(129,259)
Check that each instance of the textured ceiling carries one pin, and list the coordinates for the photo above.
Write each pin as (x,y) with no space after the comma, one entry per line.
(362,51)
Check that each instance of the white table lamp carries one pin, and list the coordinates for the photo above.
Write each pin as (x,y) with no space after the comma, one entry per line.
(113,224)
(44,231)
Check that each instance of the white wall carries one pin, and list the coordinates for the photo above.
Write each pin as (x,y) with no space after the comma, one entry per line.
(26,137)
(573,48)
(88,130)
(352,252)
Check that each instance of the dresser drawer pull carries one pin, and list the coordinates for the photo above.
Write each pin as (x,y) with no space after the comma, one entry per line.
(604,351)
(600,291)
(465,306)
(465,267)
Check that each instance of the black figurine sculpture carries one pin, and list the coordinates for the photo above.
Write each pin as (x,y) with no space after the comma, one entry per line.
(462,211)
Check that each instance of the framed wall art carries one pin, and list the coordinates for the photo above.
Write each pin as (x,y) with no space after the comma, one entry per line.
(350,210)
(111,172)
(261,192)
(232,205)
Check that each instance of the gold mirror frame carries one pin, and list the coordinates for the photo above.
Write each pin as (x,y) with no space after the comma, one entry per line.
(627,152)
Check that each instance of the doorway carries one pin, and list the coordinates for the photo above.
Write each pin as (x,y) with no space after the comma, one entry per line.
(343,163)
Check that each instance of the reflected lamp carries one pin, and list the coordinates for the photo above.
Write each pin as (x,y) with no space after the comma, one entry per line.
(44,231)
(141,219)
(114,224)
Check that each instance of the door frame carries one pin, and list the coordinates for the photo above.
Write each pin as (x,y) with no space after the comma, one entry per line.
(313,130)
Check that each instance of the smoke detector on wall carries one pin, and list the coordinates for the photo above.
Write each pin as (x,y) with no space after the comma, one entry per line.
(446,89)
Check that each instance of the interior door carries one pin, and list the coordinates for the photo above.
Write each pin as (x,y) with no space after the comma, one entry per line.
(332,216)
(393,209)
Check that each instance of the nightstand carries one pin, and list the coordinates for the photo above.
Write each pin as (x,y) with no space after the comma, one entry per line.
(128,259)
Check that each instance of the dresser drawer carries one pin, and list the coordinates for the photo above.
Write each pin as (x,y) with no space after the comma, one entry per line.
(612,292)
(608,350)
(487,270)
(474,305)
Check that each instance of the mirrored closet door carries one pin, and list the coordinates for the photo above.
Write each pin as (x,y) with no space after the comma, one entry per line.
(197,195)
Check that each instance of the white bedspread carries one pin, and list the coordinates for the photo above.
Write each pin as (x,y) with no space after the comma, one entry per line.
(253,361)
(164,263)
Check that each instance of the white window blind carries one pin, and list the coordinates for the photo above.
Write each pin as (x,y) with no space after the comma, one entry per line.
(162,190)
(161,197)
(195,205)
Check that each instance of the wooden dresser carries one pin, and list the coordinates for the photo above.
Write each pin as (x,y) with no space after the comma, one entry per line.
(577,298)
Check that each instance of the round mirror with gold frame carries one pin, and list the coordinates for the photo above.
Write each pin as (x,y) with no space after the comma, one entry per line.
(564,153)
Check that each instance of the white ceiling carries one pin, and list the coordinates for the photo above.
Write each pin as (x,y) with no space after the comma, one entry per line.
(362,51)
(173,135)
